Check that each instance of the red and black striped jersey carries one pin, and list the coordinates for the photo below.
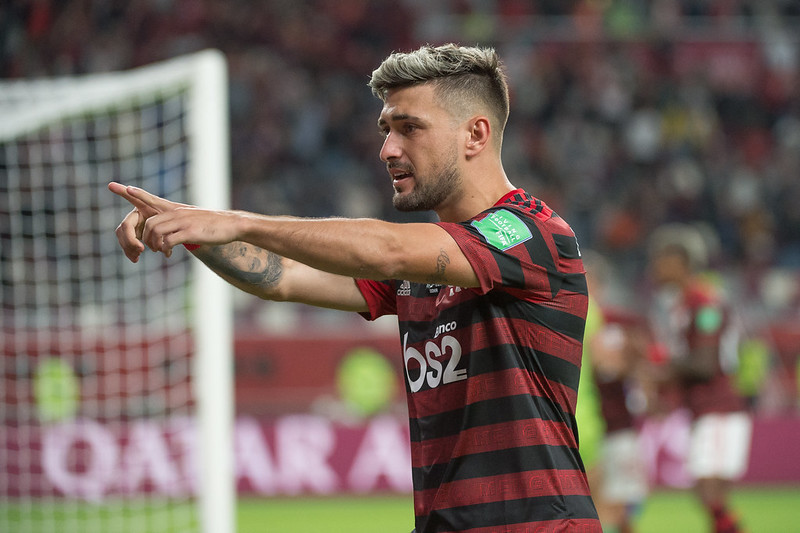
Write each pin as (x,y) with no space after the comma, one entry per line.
(492,377)
(699,319)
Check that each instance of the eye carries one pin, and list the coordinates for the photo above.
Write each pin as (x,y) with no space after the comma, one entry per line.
(409,128)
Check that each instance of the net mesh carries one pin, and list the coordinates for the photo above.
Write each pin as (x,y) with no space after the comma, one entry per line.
(96,412)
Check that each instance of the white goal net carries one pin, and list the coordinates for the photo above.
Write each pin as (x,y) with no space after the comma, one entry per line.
(115,391)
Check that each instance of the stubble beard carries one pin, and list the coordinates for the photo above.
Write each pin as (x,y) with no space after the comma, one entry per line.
(431,192)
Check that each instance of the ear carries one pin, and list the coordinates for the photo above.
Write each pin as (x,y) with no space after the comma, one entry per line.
(478,136)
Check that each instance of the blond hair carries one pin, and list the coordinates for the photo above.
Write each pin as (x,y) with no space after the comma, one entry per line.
(465,79)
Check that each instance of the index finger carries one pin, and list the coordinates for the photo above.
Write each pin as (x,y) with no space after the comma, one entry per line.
(140,199)
(123,190)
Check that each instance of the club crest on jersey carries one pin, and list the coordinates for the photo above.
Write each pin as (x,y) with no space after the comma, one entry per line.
(502,229)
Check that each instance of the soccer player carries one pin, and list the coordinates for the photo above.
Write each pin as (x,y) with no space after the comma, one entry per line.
(491,300)
(698,334)
(611,367)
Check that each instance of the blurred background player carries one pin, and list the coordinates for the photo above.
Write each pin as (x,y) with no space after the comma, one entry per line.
(698,334)
(610,383)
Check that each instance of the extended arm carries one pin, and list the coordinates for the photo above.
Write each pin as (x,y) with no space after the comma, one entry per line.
(306,257)
(272,277)
(362,248)
(250,268)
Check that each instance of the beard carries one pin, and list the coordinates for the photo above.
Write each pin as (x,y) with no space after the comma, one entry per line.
(431,191)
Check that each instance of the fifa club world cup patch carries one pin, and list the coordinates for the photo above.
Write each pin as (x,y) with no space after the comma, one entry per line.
(708,319)
(502,229)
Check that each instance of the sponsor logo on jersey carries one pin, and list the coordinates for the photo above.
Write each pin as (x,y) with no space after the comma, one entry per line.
(433,288)
(445,328)
(404,289)
(436,364)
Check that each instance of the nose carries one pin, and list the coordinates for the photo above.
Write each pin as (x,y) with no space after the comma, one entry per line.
(390,149)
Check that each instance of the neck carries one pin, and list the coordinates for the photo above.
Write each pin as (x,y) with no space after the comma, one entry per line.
(479,192)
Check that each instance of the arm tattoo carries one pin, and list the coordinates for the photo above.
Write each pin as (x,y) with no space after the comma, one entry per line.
(244,264)
(441,265)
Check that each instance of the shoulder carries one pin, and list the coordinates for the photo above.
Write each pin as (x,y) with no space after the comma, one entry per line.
(702,293)
(536,211)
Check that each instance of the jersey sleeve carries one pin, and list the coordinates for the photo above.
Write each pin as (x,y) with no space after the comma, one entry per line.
(709,318)
(512,249)
(380,297)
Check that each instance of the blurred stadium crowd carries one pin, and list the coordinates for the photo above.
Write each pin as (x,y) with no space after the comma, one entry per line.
(626,115)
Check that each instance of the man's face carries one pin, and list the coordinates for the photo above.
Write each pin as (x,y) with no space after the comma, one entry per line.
(420,149)
(668,267)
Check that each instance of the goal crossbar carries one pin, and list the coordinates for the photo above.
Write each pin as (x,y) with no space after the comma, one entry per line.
(27,105)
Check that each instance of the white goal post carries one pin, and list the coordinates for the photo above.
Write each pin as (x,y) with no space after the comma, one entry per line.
(116,391)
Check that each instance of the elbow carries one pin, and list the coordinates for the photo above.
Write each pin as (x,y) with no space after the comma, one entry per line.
(387,262)
(271,282)
(263,291)
(271,293)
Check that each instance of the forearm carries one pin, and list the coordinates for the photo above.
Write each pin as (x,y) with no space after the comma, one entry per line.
(352,248)
(699,365)
(271,277)
(359,248)
(235,245)
(247,267)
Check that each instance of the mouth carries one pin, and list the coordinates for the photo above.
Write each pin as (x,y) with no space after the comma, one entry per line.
(401,180)
(400,177)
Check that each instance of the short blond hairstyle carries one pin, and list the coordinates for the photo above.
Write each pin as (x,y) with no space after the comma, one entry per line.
(466,79)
